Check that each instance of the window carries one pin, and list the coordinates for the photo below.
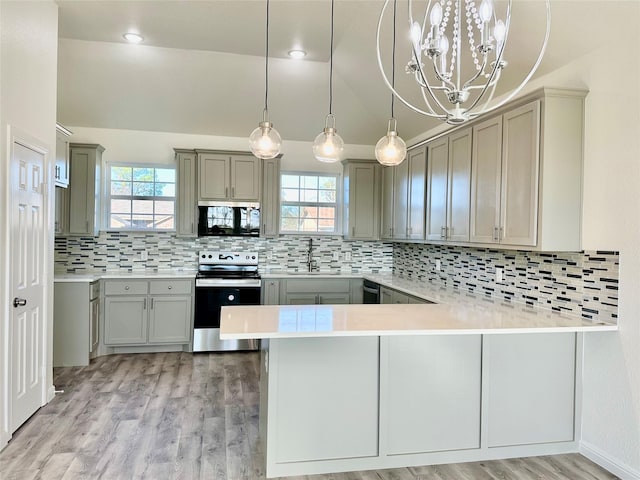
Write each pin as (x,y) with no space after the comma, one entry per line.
(309,203)
(141,198)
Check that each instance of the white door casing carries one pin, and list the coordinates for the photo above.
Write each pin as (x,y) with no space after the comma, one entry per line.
(27,329)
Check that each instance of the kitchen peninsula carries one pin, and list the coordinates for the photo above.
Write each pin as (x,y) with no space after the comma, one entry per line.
(358,387)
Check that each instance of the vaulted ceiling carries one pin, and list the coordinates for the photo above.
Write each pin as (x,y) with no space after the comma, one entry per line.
(201,66)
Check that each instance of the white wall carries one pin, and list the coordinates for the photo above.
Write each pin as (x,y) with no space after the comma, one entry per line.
(28,70)
(157,147)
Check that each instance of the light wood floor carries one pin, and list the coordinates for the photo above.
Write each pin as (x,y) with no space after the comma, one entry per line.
(183,416)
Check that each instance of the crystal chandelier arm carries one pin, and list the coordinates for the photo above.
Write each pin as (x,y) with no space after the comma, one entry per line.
(431,112)
(535,65)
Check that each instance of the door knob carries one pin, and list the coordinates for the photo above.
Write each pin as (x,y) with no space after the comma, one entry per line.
(19,302)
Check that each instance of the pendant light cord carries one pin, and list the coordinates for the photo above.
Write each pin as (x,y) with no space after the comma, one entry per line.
(331,63)
(266,64)
(393,56)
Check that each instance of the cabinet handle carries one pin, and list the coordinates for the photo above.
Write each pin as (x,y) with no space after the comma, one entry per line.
(500,234)
(443,233)
(126,287)
(192,230)
(233,192)
(87,225)
(144,305)
(170,287)
(226,191)
(353,231)
(317,299)
(151,303)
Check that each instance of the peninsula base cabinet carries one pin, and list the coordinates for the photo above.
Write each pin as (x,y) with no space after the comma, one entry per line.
(140,313)
(338,404)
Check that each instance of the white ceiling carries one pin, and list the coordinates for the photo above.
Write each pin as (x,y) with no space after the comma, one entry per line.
(200,68)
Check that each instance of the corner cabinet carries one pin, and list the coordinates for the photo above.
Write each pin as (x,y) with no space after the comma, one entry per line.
(187,200)
(228,176)
(84,189)
(361,199)
(526,182)
(147,312)
(61,170)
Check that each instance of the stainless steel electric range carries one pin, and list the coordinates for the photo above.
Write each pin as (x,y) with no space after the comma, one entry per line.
(223,278)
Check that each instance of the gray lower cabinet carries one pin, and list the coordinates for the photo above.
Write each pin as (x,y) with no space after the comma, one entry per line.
(531,388)
(146,312)
(270,292)
(389,295)
(76,314)
(431,390)
(319,291)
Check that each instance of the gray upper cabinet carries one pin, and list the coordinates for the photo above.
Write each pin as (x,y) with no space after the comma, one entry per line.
(228,177)
(387,207)
(61,170)
(448,187)
(400,198)
(61,225)
(361,199)
(187,221)
(526,183)
(416,178)
(270,204)
(84,189)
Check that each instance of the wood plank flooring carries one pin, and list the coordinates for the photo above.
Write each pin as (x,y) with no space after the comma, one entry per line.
(183,416)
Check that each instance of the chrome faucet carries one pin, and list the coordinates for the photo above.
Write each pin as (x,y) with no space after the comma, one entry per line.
(310,260)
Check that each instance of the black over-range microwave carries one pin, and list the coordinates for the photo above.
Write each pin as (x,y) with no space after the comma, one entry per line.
(229,219)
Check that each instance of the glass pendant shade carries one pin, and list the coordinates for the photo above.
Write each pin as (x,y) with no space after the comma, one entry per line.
(265,141)
(391,149)
(328,146)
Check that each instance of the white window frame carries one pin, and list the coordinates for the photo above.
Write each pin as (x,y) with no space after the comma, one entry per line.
(338,204)
(106,211)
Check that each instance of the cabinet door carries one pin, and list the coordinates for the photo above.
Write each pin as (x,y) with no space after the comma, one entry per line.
(531,388)
(361,201)
(61,173)
(84,190)
(301,299)
(125,321)
(170,319)
(437,179)
(520,161)
(61,225)
(459,188)
(245,178)
(270,206)
(94,324)
(213,170)
(485,181)
(387,210)
(432,392)
(270,292)
(417,172)
(187,202)
(386,295)
(334,299)
(400,200)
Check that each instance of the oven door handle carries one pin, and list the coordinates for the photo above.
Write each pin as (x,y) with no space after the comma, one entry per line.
(221,282)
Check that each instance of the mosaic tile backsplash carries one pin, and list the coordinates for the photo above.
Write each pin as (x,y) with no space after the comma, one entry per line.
(121,251)
(584,283)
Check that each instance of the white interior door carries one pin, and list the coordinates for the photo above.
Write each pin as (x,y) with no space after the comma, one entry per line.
(27,327)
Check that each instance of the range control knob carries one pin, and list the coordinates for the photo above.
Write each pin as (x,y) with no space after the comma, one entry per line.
(231,298)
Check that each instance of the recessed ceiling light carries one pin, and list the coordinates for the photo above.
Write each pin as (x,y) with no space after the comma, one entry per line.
(297,54)
(132,37)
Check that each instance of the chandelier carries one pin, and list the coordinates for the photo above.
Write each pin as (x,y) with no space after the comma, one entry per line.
(463,43)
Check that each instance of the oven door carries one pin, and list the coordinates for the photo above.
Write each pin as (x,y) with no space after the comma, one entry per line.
(209,300)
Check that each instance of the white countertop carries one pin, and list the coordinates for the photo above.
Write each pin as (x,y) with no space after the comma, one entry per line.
(319,274)
(301,321)
(92,277)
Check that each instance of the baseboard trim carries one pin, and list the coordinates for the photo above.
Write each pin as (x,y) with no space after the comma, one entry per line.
(593,453)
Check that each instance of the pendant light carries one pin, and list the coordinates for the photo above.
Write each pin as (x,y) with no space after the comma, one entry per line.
(265,141)
(328,146)
(391,149)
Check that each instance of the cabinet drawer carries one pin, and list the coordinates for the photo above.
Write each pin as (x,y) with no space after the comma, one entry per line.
(125,287)
(170,287)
